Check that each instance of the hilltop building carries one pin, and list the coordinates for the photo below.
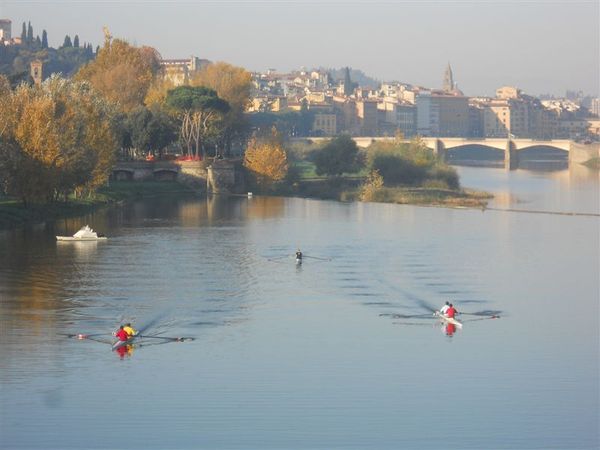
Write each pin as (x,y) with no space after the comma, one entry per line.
(180,71)
(5,30)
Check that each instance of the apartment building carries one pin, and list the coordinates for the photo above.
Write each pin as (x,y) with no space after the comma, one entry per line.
(395,115)
(180,71)
(441,114)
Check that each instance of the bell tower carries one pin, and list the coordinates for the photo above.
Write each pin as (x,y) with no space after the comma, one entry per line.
(448,85)
(36,71)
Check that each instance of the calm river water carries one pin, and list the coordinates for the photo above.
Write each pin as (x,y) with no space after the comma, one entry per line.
(313,356)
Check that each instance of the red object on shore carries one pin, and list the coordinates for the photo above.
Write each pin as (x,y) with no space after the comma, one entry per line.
(189,158)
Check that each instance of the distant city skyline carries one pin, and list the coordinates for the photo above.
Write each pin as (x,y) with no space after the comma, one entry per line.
(542,47)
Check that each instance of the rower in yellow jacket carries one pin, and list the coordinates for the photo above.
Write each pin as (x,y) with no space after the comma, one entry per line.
(129,330)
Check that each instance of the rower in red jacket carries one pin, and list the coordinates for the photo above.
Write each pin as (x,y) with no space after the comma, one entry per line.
(451,312)
(122,334)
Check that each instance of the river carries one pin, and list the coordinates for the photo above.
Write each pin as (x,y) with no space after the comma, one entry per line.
(318,355)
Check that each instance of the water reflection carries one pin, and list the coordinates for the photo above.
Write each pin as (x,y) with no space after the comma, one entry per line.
(313,351)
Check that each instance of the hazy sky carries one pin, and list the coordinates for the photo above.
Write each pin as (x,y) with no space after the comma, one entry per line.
(541,46)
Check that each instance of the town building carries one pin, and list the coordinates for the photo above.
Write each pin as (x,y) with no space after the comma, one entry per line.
(397,116)
(442,114)
(180,71)
(5,30)
(595,107)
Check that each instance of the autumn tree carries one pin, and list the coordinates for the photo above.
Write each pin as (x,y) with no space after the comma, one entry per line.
(156,95)
(121,72)
(197,108)
(232,84)
(266,160)
(57,139)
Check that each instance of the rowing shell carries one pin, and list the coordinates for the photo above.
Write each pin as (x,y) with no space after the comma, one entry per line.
(451,320)
(120,344)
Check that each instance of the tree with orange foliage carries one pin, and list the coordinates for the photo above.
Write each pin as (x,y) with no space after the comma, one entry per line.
(121,72)
(266,160)
(58,139)
(234,85)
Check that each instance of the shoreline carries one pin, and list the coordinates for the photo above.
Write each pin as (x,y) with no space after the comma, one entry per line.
(13,214)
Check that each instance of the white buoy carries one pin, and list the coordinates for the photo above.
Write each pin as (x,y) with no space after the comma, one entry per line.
(249,194)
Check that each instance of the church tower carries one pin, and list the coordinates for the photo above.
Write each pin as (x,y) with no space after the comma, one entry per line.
(36,71)
(448,85)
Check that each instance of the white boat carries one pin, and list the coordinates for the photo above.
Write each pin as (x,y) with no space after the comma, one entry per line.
(84,234)
(120,344)
(447,319)
(298,261)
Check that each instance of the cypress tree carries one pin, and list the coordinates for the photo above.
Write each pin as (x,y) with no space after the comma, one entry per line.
(76,41)
(38,41)
(347,82)
(67,42)
(24,33)
(29,33)
(97,49)
(44,39)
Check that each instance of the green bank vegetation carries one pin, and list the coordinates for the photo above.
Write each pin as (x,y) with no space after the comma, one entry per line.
(387,171)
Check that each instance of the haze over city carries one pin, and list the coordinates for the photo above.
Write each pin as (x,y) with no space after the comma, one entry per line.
(543,47)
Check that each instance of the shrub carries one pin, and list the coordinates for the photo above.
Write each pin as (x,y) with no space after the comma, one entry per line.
(340,155)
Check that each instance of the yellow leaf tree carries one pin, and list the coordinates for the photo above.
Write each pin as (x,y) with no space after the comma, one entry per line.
(121,72)
(266,160)
(234,85)
(58,139)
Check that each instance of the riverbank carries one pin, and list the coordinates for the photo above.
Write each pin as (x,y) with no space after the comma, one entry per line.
(14,214)
(349,189)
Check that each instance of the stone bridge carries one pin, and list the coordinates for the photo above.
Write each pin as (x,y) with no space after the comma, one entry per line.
(191,172)
(218,176)
(577,153)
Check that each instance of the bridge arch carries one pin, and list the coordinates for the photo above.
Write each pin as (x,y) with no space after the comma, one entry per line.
(165,174)
(121,174)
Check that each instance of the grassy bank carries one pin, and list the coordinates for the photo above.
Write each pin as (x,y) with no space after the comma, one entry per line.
(432,197)
(14,214)
(348,189)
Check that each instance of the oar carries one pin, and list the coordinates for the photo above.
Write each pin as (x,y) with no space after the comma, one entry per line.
(276,258)
(166,338)
(482,318)
(316,257)
(481,313)
(81,335)
(406,316)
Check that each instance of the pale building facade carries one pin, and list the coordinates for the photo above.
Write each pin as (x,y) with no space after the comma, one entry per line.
(504,117)
(442,115)
(366,112)
(5,30)
(180,71)
(398,116)
(324,124)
